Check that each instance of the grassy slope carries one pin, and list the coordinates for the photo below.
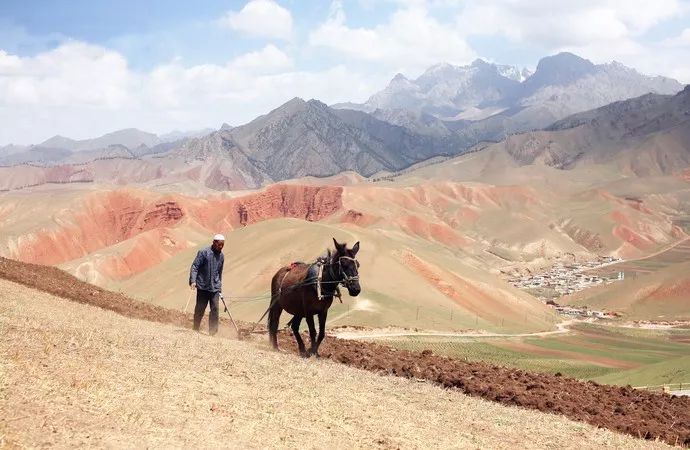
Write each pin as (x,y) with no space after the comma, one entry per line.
(676,370)
(392,290)
(75,375)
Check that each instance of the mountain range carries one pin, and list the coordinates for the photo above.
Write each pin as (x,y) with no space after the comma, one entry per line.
(561,85)
(129,142)
(443,210)
(444,112)
(644,136)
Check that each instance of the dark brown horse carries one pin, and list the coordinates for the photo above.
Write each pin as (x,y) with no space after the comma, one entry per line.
(294,289)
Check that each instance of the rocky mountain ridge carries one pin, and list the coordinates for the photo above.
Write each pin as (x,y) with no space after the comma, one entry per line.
(644,136)
(561,85)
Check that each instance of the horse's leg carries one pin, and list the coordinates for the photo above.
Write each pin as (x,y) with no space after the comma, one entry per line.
(312,334)
(273,320)
(296,321)
(322,331)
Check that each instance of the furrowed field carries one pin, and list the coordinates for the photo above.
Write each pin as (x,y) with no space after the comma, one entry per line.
(602,353)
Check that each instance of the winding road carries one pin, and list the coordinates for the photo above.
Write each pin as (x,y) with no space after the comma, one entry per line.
(561,328)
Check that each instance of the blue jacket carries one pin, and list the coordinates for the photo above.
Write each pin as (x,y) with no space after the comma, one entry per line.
(207,270)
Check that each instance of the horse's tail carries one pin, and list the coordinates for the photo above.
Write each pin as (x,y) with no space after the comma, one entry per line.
(274,308)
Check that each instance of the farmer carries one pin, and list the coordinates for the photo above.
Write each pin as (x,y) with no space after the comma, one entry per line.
(206,276)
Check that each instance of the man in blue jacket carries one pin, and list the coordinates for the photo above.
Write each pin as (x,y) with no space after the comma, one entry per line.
(206,276)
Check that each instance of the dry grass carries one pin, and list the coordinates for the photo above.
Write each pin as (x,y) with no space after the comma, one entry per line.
(74,375)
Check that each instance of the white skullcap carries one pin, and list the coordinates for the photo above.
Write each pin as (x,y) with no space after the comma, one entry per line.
(218,237)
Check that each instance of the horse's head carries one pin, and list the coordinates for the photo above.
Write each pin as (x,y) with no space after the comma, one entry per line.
(348,266)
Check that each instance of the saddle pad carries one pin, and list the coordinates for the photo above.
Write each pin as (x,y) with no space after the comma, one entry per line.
(312,274)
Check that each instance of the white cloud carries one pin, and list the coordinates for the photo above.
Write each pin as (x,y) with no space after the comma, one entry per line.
(600,30)
(681,74)
(246,93)
(73,73)
(411,40)
(81,91)
(260,18)
(555,25)
(615,49)
(682,40)
(268,59)
(658,59)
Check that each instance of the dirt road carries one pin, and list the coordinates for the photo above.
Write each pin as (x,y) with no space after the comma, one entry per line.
(561,328)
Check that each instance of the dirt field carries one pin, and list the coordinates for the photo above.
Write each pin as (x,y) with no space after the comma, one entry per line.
(638,413)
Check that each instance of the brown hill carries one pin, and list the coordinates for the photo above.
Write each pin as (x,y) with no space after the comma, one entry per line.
(89,221)
(434,245)
(141,242)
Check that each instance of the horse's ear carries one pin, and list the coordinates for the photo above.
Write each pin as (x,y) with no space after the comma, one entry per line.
(355,249)
(338,247)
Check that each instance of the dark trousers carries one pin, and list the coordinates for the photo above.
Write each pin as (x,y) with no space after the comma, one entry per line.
(204,298)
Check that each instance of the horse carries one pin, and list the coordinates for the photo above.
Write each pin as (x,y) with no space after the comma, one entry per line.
(296,289)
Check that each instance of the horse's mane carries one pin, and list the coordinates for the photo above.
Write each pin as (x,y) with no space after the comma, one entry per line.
(326,256)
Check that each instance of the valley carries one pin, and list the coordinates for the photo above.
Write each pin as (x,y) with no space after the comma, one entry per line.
(350,224)
(589,213)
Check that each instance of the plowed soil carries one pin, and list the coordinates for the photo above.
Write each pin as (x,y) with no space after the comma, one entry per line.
(639,413)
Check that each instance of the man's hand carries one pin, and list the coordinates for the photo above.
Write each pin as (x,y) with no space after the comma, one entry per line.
(192,286)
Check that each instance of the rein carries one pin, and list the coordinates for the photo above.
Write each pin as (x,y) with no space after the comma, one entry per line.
(345,279)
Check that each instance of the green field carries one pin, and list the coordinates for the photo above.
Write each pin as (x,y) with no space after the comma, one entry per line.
(606,354)
(676,370)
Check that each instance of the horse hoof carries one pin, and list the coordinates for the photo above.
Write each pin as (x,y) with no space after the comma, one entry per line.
(305,354)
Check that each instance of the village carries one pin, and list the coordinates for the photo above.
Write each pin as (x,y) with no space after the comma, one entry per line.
(565,279)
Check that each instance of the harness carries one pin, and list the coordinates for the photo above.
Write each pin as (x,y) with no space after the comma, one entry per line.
(320,263)
(315,272)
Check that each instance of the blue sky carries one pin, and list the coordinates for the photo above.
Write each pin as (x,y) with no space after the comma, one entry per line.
(83,68)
